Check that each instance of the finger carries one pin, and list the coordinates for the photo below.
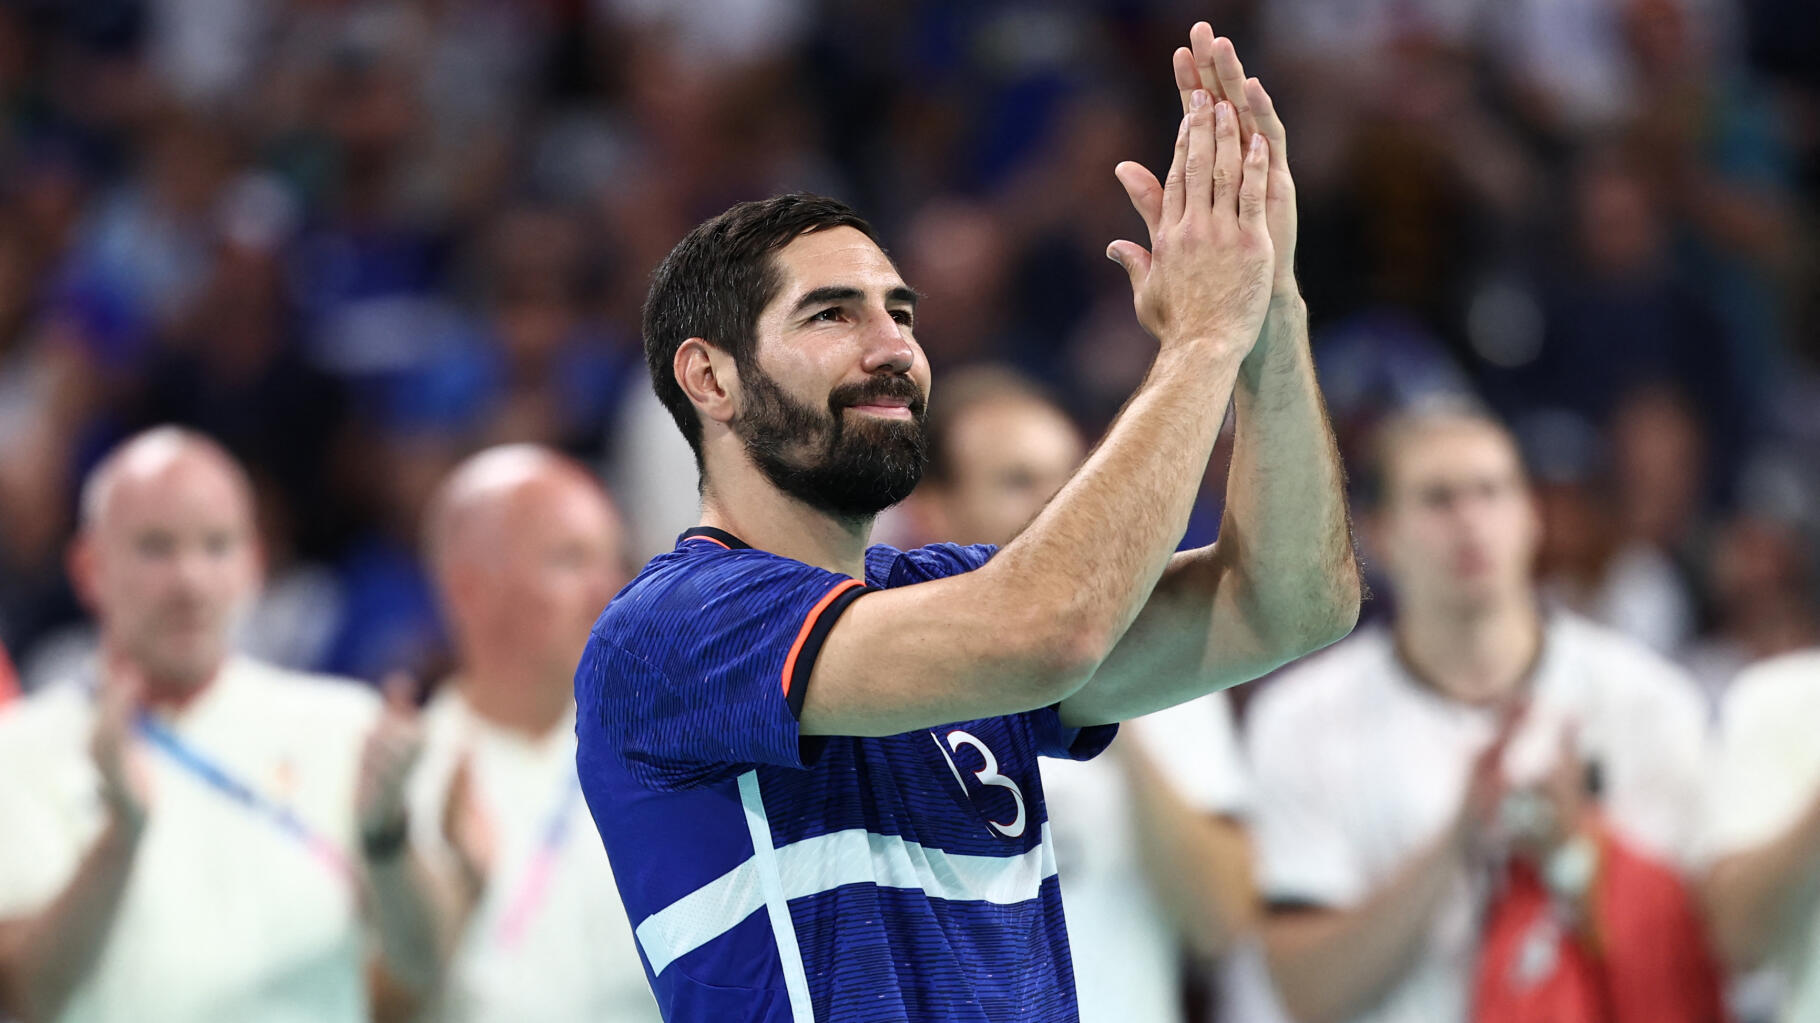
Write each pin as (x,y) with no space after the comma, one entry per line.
(1255,186)
(400,691)
(1187,79)
(1173,185)
(1145,193)
(1133,258)
(1269,124)
(1201,39)
(1228,159)
(1230,74)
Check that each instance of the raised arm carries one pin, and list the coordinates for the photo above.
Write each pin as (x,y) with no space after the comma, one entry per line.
(1032,625)
(409,908)
(1282,579)
(45,956)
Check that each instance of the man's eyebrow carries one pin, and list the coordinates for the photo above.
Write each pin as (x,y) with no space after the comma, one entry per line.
(829,293)
(900,295)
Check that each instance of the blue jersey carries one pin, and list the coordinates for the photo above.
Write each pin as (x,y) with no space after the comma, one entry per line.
(773,877)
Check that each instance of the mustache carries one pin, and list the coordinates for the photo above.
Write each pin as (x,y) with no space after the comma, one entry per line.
(869,391)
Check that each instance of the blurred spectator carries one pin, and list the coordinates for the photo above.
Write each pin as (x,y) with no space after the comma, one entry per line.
(526,550)
(1621,545)
(343,237)
(1762,889)
(1152,861)
(1763,587)
(1386,800)
(182,823)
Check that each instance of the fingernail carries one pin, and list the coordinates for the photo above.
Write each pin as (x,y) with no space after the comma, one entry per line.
(1257,144)
(1200,99)
(1222,113)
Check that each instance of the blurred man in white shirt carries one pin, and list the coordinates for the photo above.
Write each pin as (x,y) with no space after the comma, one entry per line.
(191,835)
(1763,891)
(1149,854)
(1374,828)
(526,549)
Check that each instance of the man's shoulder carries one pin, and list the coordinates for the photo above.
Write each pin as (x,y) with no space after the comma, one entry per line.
(49,722)
(1330,682)
(1789,684)
(678,585)
(1625,667)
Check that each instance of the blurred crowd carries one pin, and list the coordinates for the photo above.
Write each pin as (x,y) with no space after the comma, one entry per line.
(355,243)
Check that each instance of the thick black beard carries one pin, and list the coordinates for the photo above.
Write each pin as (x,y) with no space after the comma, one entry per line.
(864,466)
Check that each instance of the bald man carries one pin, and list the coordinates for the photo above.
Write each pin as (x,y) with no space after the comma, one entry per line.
(526,549)
(190,834)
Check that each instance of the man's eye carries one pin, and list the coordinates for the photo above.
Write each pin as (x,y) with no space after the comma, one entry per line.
(904,316)
(826,315)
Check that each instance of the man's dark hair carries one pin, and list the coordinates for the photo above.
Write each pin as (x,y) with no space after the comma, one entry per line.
(717,280)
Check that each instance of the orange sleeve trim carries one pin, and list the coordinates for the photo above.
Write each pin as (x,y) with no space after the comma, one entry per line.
(802,635)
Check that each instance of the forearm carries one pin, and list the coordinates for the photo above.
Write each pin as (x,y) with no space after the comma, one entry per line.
(45,957)
(1280,581)
(1753,896)
(1331,965)
(1097,550)
(1285,536)
(1031,627)
(416,931)
(1198,865)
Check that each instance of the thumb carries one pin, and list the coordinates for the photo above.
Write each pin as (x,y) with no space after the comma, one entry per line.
(1133,258)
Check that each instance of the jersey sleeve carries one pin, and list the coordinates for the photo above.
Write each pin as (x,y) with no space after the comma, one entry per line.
(1058,741)
(706,677)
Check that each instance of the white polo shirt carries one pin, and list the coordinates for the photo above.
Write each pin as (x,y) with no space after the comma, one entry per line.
(549,939)
(1767,773)
(225,916)
(1126,949)
(1358,766)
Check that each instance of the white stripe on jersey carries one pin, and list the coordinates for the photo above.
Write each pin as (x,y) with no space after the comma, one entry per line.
(777,904)
(826,862)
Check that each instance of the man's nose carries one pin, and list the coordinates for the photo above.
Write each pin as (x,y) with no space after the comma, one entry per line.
(886,348)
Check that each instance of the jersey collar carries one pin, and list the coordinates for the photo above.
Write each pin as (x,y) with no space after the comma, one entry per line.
(714,535)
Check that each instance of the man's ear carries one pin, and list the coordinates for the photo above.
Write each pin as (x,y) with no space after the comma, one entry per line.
(79,561)
(708,377)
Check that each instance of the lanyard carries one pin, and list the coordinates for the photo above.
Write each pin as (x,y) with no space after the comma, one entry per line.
(536,882)
(218,778)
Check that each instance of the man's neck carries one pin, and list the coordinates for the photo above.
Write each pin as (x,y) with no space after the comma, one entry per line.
(515,702)
(1483,656)
(162,694)
(754,510)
